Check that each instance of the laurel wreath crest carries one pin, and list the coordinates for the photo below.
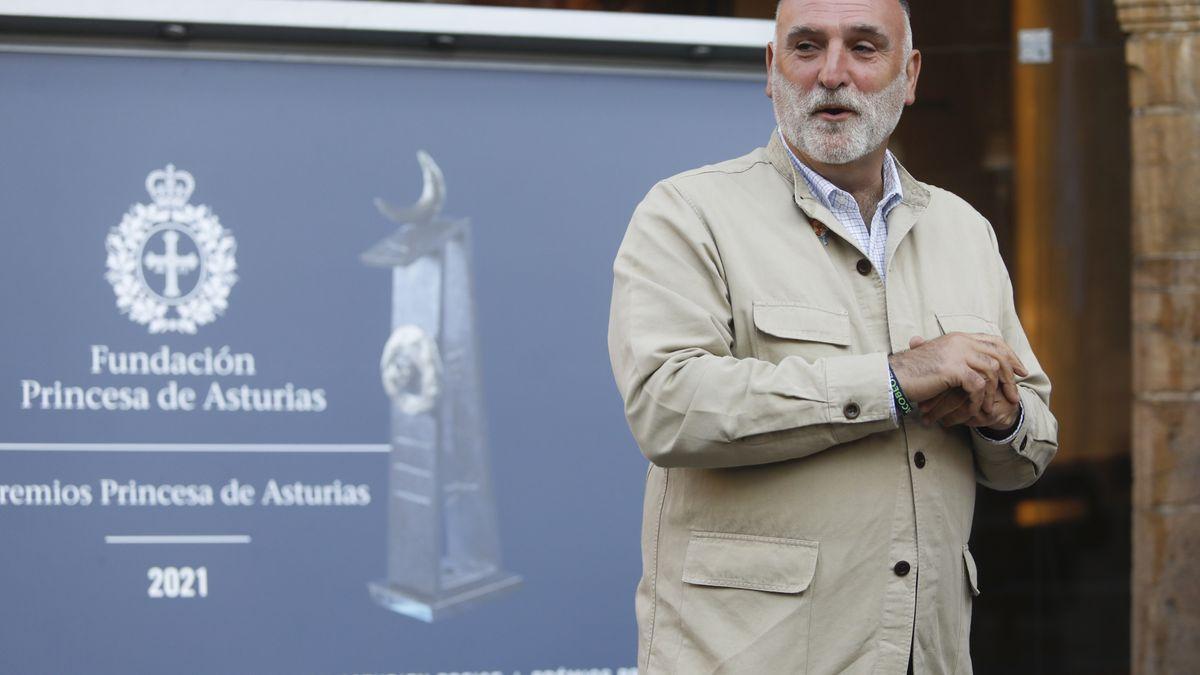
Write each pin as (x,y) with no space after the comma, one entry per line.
(217,247)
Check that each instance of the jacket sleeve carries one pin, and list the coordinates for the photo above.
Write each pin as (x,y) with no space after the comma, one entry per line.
(689,401)
(1021,461)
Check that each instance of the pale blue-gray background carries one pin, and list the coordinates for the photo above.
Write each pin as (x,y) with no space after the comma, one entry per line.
(548,166)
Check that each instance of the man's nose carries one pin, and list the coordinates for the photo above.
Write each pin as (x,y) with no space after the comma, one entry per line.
(834,73)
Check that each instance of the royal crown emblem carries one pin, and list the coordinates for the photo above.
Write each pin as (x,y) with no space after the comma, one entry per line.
(171,264)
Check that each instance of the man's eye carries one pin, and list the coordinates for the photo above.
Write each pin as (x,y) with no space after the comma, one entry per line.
(805,47)
(864,48)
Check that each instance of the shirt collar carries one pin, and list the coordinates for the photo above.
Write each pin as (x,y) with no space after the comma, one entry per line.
(827,192)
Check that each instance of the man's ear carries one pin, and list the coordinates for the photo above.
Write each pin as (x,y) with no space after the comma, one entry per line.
(770,58)
(913,69)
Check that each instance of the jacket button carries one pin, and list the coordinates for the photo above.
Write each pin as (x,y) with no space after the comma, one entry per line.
(863,266)
(850,411)
(902,568)
(919,459)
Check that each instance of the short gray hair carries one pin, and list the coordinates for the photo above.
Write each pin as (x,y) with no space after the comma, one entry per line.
(908,33)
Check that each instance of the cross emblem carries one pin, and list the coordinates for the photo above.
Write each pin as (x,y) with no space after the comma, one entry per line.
(170,264)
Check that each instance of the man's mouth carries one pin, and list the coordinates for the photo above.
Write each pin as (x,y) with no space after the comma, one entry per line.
(834,113)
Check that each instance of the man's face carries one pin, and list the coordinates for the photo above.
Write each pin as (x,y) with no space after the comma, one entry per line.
(839,77)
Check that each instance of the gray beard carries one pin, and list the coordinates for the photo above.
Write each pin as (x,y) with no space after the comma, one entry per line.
(837,142)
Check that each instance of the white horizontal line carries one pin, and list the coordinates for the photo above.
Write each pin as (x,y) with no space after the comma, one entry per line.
(590,66)
(197,447)
(412,470)
(408,17)
(177,539)
(412,442)
(412,497)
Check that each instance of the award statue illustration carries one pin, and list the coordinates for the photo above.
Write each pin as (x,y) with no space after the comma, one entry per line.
(443,545)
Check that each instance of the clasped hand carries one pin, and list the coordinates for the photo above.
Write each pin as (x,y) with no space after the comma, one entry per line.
(961,378)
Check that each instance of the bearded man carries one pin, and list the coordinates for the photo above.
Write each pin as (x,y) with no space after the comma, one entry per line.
(820,357)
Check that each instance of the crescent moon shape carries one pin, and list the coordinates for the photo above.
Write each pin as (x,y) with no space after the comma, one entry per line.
(429,204)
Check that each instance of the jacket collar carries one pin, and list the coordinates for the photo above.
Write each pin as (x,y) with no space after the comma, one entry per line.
(915,195)
(901,220)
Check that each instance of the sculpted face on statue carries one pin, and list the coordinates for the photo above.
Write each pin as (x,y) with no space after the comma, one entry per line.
(839,75)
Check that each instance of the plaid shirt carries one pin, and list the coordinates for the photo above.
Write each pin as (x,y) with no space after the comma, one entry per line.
(872,241)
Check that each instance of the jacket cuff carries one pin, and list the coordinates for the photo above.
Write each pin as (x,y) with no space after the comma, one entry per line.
(855,396)
(1017,443)
(992,436)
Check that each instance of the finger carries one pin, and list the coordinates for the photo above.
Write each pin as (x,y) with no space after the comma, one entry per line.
(950,402)
(985,365)
(986,403)
(927,405)
(963,413)
(1008,383)
(955,416)
(1008,376)
(1011,356)
(1012,393)
(959,416)
(999,350)
(976,386)
(972,381)
(1002,369)
(916,341)
(1003,415)
(1017,364)
(1010,417)
(987,421)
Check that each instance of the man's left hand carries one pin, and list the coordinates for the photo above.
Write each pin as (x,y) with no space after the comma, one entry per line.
(949,408)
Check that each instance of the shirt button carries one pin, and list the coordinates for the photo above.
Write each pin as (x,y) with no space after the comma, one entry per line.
(902,568)
(919,459)
(850,411)
(863,266)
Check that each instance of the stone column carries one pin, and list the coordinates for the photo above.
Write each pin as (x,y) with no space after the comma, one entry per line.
(1163,53)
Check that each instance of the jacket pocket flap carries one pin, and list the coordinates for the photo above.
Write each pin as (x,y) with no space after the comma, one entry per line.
(800,322)
(972,572)
(965,323)
(751,562)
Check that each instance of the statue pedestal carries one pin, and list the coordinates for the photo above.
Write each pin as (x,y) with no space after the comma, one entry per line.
(430,608)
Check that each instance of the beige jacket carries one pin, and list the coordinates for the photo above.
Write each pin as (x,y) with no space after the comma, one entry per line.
(790,525)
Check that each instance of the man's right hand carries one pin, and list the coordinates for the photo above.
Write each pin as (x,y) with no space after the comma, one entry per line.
(983,366)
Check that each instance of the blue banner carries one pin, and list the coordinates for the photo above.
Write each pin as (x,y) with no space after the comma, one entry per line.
(207,461)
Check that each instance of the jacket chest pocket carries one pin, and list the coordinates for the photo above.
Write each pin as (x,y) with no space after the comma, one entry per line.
(960,322)
(746,603)
(784,329)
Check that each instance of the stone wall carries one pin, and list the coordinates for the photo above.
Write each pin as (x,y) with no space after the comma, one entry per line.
(1163,52)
